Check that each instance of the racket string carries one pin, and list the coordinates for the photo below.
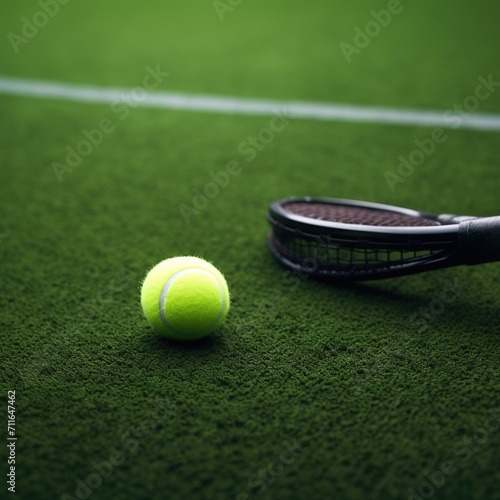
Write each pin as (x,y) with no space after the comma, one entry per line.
(325,252)
(356,215)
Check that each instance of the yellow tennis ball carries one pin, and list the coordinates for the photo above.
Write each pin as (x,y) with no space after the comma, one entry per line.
(185,298)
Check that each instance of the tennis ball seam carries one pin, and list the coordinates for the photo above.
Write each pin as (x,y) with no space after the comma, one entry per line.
(164,293)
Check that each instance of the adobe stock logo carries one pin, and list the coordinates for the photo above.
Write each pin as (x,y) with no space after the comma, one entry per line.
(259,482)
(131,441)
(223,6)
(219,181)
(249,149)
(453,118)
(91,139)
(464,449)
(427,315)
(30,27)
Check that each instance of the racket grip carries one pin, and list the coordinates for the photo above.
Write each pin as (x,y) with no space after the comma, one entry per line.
(480,240)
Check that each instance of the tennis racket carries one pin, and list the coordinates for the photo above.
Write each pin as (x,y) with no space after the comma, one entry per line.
(355,240)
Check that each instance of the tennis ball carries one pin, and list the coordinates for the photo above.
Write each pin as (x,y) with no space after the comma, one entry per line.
(185,298)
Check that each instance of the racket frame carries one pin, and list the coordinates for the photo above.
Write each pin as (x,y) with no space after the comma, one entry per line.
(442,240)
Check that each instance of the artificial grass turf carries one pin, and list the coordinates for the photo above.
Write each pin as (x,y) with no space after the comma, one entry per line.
(373,402)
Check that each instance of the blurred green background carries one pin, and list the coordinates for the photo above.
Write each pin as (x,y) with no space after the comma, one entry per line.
(370,404)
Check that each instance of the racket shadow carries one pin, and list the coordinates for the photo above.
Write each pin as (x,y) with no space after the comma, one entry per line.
(443,308)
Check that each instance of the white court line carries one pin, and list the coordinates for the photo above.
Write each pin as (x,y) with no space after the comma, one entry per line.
(247,106)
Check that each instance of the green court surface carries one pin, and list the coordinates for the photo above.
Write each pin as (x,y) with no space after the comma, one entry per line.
(381,390)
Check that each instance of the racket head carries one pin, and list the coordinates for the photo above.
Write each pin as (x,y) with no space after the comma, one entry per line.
(354,240)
